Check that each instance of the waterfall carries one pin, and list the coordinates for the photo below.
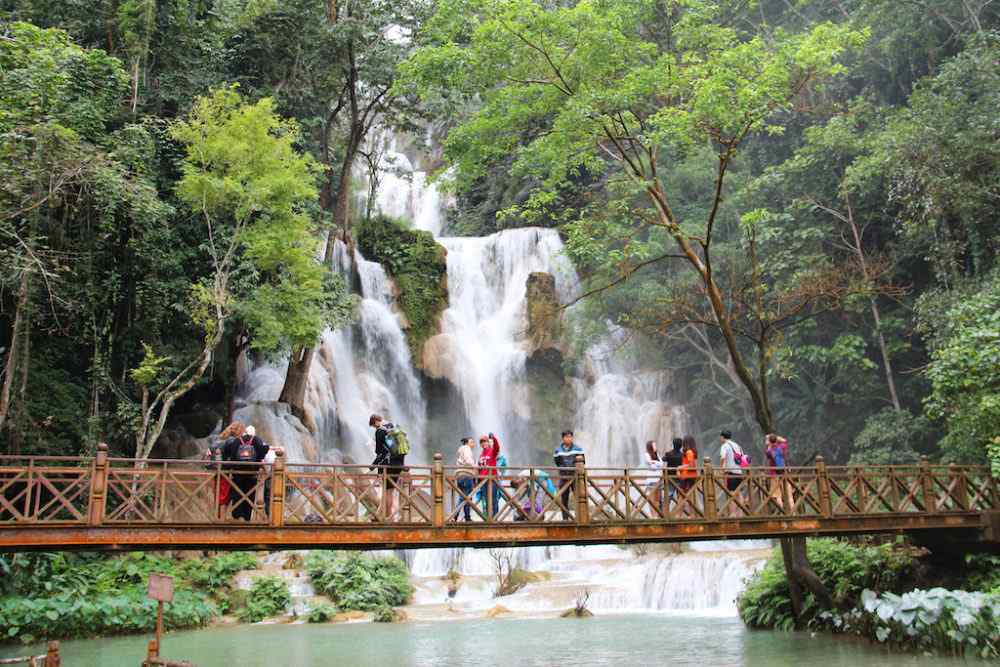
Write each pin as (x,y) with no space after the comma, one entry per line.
(702,581)
(482,354)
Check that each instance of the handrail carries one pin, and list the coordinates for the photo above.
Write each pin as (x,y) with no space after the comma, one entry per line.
(104,490)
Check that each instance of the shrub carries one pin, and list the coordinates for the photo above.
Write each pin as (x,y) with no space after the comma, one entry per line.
(845,569)
(360,582)
(74,616)
(936,620)
(384,615)
(982,573)
(322,613)
(268,597)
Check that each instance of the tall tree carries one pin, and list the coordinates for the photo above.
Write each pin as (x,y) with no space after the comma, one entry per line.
(332,66)
(246,182)
(621,88)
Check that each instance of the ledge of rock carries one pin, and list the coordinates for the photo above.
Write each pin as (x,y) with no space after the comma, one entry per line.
(544,313)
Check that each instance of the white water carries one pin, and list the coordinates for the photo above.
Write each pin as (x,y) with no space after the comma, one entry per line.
(615,405)
(705,582)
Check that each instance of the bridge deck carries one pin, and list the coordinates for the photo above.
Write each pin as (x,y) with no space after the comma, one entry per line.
(105,503)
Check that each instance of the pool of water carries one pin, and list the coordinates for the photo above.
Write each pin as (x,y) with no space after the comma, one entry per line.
(603,640)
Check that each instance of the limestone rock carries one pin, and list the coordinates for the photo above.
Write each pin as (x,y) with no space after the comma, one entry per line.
(497,611)
(544,312)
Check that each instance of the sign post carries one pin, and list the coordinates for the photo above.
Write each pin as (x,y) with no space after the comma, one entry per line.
(161,589)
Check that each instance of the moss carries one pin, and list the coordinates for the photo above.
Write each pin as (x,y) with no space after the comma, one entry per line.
(418,265)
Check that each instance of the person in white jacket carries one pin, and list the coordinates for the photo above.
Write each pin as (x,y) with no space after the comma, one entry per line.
(654,484)
(465,476)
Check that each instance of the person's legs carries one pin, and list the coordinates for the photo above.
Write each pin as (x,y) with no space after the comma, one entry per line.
(244,486)
(465,485)
(566,497)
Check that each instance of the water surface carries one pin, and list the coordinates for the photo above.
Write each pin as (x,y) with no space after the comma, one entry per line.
(659,639)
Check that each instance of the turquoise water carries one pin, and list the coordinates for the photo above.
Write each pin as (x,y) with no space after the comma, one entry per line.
(605,640)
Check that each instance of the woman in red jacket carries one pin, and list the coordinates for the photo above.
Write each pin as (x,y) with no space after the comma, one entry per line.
(488,471)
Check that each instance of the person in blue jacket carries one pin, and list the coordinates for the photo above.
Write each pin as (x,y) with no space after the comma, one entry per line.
(565,459)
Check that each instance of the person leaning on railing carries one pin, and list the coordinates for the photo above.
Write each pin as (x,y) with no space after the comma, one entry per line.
(565,459)
(245,449)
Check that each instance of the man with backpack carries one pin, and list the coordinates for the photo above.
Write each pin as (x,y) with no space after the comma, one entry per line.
(244,450)
(733,460)
(391,448)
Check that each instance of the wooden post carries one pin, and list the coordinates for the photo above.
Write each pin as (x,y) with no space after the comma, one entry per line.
(277,508)
(580,491)
(960,493)
(152,650)
(159,622)
(665,508)
(52,654)
(708,491)
(437,489)
(99,486)
(927,486)
(627,479)
(823,481)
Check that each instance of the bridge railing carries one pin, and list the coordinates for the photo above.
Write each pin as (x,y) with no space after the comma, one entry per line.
(52,491)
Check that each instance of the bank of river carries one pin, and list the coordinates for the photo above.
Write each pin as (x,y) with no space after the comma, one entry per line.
(635,639)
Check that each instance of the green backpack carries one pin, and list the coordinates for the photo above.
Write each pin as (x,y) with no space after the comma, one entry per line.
(396,439)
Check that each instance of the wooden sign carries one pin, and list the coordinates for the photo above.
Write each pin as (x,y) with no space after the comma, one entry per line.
(161,588)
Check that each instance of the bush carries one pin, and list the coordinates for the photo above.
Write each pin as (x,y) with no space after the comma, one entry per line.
(66,595)
(937,620)
(268,597)
(73,616)
(982,573)
(384,615)
(322,613)
(845,569)
(360,582)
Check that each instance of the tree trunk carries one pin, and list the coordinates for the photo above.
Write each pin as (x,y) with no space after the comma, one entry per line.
(296,381)
(799,572)
(12,365)
(886,363)
(801,576)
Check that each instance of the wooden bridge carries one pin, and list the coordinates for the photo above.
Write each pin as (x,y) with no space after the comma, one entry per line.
(59,503)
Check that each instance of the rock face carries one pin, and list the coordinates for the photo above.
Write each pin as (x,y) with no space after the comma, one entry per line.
(544,313)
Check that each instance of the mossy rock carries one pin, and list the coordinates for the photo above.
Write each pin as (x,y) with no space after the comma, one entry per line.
(419,267)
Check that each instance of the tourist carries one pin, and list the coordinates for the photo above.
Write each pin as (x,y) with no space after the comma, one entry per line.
(465,476)
(214,456)
(732,459)
(389,461)
(489,493)
(542,486)
(673,459)
(242,451)
(654,484)
(776,451)
(565,459)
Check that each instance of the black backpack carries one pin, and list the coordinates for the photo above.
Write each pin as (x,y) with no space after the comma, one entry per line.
(245,451)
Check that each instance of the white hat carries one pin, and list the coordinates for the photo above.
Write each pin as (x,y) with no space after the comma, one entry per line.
(251,431)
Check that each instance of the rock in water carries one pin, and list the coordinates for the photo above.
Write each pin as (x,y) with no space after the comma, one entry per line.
(497,611)
(544,310)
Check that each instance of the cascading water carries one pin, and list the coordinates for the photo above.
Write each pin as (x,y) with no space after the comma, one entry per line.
(482,352)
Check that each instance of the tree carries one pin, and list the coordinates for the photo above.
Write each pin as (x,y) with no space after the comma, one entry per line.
(331,65)
(964,333)
(246,182)
(621,88)
(55,102)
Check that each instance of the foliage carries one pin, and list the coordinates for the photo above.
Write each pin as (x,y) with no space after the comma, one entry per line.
(982,573)
(845,569)
(322,612)
(54,595)
(418,265)
(964,371)
(359,582)
(383,614)
(892,437)
(269,596)
(935,620)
